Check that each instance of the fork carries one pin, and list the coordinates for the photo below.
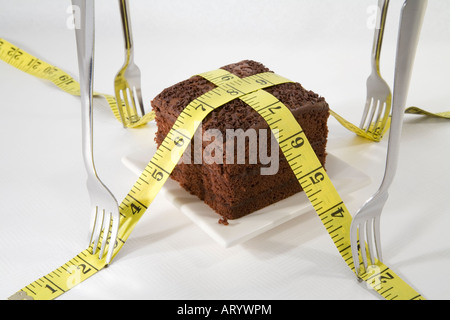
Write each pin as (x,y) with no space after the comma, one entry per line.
(367,219)
(127,84)
(104,207)
(378,102)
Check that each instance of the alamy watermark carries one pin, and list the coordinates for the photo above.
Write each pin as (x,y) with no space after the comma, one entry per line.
(373,20)
(74,20)
(234,146)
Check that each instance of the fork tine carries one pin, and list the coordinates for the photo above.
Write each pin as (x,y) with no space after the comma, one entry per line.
(97,229)
(370,116)
(377,232)
(371,240)
(130,99)
(130,104)
(381,110)
(135,97)
(366,113)
(373,110)
(138,91)
(120,106)
(124,97)
(114,232)
(107,236)
(105,232)
(362,244)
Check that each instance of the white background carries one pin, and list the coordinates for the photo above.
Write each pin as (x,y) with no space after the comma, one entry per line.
(325,45)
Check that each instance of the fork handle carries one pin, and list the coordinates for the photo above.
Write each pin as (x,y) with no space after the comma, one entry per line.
(383,6)
(85,36)
(413,13)
(126,25)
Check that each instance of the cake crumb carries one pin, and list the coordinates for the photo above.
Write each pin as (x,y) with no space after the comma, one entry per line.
(224,221)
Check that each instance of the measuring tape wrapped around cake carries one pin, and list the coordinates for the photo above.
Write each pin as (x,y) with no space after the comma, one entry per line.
(234,163)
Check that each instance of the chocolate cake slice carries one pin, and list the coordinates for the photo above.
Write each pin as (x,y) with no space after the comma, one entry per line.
(237,188)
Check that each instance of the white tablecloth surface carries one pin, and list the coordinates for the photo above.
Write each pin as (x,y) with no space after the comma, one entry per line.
(325,45)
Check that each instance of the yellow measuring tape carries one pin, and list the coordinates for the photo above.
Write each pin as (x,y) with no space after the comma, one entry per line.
(418,111)
(25,62)
(311,175)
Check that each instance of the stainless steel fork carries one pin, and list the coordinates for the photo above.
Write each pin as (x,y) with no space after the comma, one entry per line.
(127,83)
(379,97)
(104,206)
(366,223)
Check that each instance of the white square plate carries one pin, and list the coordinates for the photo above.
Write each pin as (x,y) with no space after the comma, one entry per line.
(345,178)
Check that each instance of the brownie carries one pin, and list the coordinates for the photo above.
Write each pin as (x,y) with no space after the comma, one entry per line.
(234,189)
